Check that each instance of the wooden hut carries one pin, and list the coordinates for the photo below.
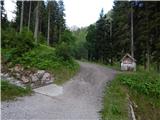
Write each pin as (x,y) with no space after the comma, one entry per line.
(128,63)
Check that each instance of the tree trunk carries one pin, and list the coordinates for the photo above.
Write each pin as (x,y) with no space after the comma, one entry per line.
(29,14)
(111,44)
(21,22)
(147,41)
(59,34)
(48,28)
(158,67)
(148,57)
(36,24)
(132,42)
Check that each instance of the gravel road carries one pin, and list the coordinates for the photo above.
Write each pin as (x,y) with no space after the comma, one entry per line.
(81,99)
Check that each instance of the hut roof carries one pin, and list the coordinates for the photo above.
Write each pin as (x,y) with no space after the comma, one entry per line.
(128,55)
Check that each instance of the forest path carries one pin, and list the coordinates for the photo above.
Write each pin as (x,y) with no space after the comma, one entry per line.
(81,98)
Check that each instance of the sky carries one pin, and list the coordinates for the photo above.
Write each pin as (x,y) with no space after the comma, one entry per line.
(79,13)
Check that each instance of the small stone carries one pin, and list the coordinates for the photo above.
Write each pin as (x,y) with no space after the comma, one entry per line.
(32,85)
(34,77)
(48,82)
(47,78)
(40,73)
(2,74)
(18,68)
(6,75)
(18,75)
(11,69)
(25,79)
(10,78)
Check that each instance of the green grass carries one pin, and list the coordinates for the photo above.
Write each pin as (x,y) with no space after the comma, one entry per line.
(143,89)
(10,92)
(114,102)
(44,57)
(146,83)
(63,74)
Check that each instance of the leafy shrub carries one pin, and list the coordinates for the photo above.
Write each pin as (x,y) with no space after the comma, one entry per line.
(8,38)
(40,57)
(25,41)
(42,39)
(67,37)
(145,83)
(17,43)
(63,51)
(8,55)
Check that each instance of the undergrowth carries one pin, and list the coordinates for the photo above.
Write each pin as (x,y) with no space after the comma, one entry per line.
(114,102)
(143,89)
(44,57)
(10,91)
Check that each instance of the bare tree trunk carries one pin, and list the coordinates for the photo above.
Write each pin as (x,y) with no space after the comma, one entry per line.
(158,67)
(59,34)
(21,22)
(36,24)
(148,56)
(132,42)
(111,44)
(147,41)
(29,14)
(48,27)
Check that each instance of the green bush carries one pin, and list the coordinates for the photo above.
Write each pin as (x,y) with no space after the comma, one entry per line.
(8,38)
(8,55)
(63,51)
(42,39)
(25,41)
(41,57)
(15,44)
(145,83)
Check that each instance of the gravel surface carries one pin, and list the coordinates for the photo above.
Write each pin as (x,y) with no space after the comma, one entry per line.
(81,98)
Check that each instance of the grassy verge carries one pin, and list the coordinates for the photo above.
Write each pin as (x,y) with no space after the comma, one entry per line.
(144,91)
(9,91)
(64,74)
(115,102)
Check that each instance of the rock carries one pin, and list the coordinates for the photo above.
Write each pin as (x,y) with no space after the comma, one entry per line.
(34,77)
(40,73)
(18,83)
(27,73)
(47,78)
(6,75)
(25,79)
(11,69)
(10,78)
(18,76)
(32,85)
(2,74)
(18,68)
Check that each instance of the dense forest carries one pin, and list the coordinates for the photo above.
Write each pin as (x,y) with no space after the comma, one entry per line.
(37,38)
(45,20)
(111,36)
(130,27)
